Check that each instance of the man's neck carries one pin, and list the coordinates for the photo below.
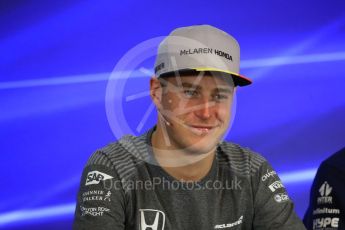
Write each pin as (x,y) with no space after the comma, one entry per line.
(180,164)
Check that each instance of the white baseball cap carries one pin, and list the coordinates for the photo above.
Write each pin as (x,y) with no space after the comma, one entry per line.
(200,48)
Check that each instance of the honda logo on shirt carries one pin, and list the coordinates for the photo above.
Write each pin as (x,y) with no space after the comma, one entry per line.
(151,219)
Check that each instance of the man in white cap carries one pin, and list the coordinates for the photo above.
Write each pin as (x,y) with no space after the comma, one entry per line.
(181,174)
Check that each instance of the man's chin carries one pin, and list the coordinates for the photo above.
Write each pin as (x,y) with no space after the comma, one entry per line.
(200,148)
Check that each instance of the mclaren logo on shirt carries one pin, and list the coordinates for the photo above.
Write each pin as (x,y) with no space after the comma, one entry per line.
(151,219)
(229,225)
(94,177)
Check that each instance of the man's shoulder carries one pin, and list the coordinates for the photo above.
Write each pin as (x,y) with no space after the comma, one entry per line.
(335,162)
(240,159)
(123,155)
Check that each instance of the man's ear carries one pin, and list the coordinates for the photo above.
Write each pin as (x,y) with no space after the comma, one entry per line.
(156,91)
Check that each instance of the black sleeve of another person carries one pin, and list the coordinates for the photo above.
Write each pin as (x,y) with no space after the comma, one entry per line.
(327,197)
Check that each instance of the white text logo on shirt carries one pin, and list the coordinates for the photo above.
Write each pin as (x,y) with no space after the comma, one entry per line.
(94,177)
(275,185)
(281,197)
(268,175)
(325,191)
(326,223)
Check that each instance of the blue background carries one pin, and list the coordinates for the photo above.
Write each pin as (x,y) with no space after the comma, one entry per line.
(56,57)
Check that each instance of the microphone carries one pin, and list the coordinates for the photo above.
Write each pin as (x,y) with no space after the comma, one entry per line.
(164,119)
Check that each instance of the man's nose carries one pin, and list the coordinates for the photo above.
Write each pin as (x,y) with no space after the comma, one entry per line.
(204,109)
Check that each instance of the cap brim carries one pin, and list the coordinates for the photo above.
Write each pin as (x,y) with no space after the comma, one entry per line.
(241,80)
(238,79)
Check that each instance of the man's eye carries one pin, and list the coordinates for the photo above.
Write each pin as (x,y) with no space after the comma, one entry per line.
(221,97)
(190,93)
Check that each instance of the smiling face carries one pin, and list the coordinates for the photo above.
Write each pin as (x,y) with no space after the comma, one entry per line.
(196,111)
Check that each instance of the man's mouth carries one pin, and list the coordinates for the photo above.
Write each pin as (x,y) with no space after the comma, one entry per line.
(201,129)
